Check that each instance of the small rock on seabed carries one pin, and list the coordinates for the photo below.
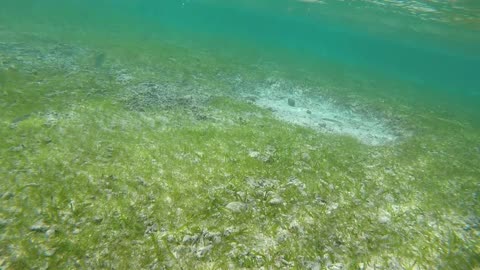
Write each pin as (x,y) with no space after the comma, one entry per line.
(236,207)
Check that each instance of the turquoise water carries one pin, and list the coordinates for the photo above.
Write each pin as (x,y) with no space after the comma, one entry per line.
(433,45)
(311,134)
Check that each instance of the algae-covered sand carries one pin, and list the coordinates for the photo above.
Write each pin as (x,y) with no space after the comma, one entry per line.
(116,158)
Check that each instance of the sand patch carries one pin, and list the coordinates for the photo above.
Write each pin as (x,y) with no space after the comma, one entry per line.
(324,115)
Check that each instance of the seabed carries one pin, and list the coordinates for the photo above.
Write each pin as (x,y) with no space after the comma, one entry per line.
(119,158)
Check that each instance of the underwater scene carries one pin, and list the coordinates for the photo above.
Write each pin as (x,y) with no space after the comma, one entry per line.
(242,134)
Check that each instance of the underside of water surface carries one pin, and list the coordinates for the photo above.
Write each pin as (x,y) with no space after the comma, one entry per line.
(204,134)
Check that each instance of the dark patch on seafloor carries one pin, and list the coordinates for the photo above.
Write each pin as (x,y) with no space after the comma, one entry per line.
(153,96)
(100,59)
(19,119)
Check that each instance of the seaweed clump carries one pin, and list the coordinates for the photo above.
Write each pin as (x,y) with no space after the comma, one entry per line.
(150,96)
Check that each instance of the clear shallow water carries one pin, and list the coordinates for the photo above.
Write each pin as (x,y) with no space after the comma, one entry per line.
(432,44)
(149,134)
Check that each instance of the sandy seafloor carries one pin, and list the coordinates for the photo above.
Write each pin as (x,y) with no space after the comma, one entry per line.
(159,156)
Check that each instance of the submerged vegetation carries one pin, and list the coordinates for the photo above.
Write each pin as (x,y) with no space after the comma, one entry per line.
(105,164)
